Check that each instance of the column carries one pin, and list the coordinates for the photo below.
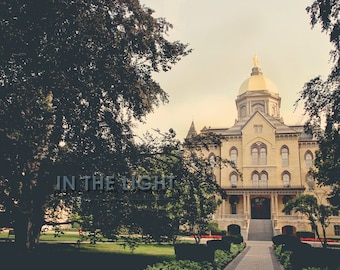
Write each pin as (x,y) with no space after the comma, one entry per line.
(272,208)
(223,209)
(276,205)
(249,207)
(244,203)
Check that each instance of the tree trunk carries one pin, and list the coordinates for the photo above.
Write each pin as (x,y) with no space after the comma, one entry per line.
(324,244)
(27,232)
(315,227)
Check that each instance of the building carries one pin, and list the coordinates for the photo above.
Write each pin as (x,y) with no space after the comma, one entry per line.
(274,159)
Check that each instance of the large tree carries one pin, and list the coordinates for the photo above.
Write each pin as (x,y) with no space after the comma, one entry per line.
(322,101)
(73,75)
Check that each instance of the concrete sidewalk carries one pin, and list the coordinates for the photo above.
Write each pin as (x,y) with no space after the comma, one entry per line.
(258,255)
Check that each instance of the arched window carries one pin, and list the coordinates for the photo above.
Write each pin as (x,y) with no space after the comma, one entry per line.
(255,155)
(243,111)
(310,181)
(264,179)
(233,155)
(309,159)
(233,179)
(286,179)
(259,153)
(263,156)
(285,155)
(255,179)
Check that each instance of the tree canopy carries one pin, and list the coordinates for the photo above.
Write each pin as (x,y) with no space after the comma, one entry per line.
(321,99)
(316,213)
(74,74)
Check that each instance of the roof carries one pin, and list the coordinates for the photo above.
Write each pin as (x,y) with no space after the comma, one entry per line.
(280,127)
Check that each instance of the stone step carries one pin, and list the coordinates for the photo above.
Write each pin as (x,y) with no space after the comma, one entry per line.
(260,230)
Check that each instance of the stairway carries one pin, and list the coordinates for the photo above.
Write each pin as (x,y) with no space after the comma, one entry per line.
(260,230)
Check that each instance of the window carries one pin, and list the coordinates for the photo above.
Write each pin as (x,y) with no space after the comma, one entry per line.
(286,179)
(255,179)
(263,156)
(258,128)
(259,153)
(337,230)
(233,155)
(243,110)
(310,182)
(233,180)
(309,159)
(284,155)
(255,155)
(234,209)
(264,179)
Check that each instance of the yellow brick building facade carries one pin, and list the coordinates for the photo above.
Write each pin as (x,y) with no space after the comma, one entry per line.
(274,159)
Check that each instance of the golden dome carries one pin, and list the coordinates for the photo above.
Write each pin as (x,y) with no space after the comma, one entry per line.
(257,81)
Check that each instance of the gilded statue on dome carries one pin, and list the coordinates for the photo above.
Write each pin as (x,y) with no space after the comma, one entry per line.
(255,61)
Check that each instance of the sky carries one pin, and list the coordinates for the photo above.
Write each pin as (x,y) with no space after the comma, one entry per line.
(224,36)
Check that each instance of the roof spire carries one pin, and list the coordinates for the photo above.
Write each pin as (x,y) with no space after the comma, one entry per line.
(192,131)
(256,70)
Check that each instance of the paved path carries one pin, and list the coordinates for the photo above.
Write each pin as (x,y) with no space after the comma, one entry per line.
(258,255)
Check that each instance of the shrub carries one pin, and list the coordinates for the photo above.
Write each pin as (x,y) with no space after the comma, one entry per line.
(219,244)
(221,259)
(194,252)
(283,256)
(236,239)
(213,228)
(289,241)
(181,264)
(305,234)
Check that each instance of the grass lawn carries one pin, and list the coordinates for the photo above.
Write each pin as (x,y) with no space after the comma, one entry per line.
(63,250)
(89,256)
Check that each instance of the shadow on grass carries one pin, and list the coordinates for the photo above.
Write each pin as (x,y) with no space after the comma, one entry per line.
(66,256)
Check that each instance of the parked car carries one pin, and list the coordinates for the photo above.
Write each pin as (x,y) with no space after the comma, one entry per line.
(45,228)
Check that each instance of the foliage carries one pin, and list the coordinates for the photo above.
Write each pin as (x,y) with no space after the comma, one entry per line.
(283,257)
(305,234)
(316,213)
(74,75)
(193,197)
(221,259)
(131,242)
(321,102)
(58,231)
(214,230)
(181,264)
(236,239)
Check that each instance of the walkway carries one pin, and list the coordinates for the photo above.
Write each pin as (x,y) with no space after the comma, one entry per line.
(258,255)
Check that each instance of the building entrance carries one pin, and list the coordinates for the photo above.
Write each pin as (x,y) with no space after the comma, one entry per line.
(260,208)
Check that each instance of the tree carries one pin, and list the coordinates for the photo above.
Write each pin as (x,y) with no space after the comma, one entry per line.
(74,74)
(316,213)
(186,203)
(321,102)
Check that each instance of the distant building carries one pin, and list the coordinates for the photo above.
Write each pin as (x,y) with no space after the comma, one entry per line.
(274,159)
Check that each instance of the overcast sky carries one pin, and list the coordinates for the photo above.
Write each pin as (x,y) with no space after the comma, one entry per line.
(224,36)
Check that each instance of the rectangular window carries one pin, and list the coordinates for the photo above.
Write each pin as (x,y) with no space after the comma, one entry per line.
(233,209)
(258,128)
(337,230)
